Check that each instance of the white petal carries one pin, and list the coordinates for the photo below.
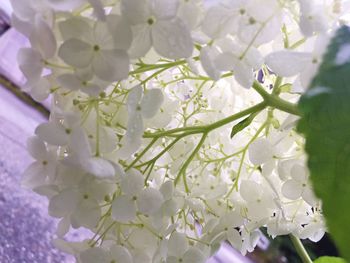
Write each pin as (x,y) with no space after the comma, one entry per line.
(121,254)
(23,10)
(69,81)
(260,151)
(136,11)
(76,53)
(94,255)
(64,5)
(30,63)
(133,182)
(123,209)
(63,227)
(134,98)
(64,203)
(151,102)
(99,167)
(21,26)
(44,38)
(299,173)
(178,244)
(250,191)
(149,201)
(111,65)
(225,61)
(141,41)
(79,144)
(207,56)
(52,133)
(87,214)
(121,31)
(218,22)
(41,90)
(287,63)
(76,27)
(135,128)
(98,7)
(33,176)
(102,36)
(234,238)
(243,74)
(167,190)
(172,39)
(164,9)
(193,255)
(292,189)
(36,148)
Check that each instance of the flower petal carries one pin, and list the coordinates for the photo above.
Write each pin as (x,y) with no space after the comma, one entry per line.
(123,209)
(70,81)
(136,11)
(76,53)
(132,183)
(172,39)
(149,201)
(43,38)
(76,27)
(99,167)
(292,189)
(36,148)
(111,65)
(287,63)
(52,133)
(151,102)
(164,9)
(177,244)
(64,203)
(120,254)
(121,31)
(260,151)
(141,40)
(94,255)
(29,61)
(193,255)
(87,214)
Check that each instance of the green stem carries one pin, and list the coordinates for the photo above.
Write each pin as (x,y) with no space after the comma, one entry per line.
(207,128)
(275,101)
(182,171)
(299,247)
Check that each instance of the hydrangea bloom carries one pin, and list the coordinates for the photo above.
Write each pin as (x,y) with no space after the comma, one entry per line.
(138,146)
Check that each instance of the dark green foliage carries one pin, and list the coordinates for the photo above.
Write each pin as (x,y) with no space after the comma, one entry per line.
(325,122)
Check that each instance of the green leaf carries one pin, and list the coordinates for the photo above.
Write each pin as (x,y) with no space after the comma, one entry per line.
(329,260)
(325,122)
(243,124)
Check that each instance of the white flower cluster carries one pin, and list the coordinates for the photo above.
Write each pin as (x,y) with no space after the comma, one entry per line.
(144,97)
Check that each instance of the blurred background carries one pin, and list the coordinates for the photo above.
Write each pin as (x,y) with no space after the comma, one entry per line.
(26,230)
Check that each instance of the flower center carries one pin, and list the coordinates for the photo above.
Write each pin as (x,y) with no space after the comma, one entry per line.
(96,48)
(151,21)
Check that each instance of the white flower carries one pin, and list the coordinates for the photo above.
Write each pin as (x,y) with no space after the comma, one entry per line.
(298,186)
(117,254)
(259,200)
(313,19)
(179,251)
(43,169)
(135,198)
(92,44)
(78,207)
(261,151)
(155,22)
(222,18)
(140,106)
